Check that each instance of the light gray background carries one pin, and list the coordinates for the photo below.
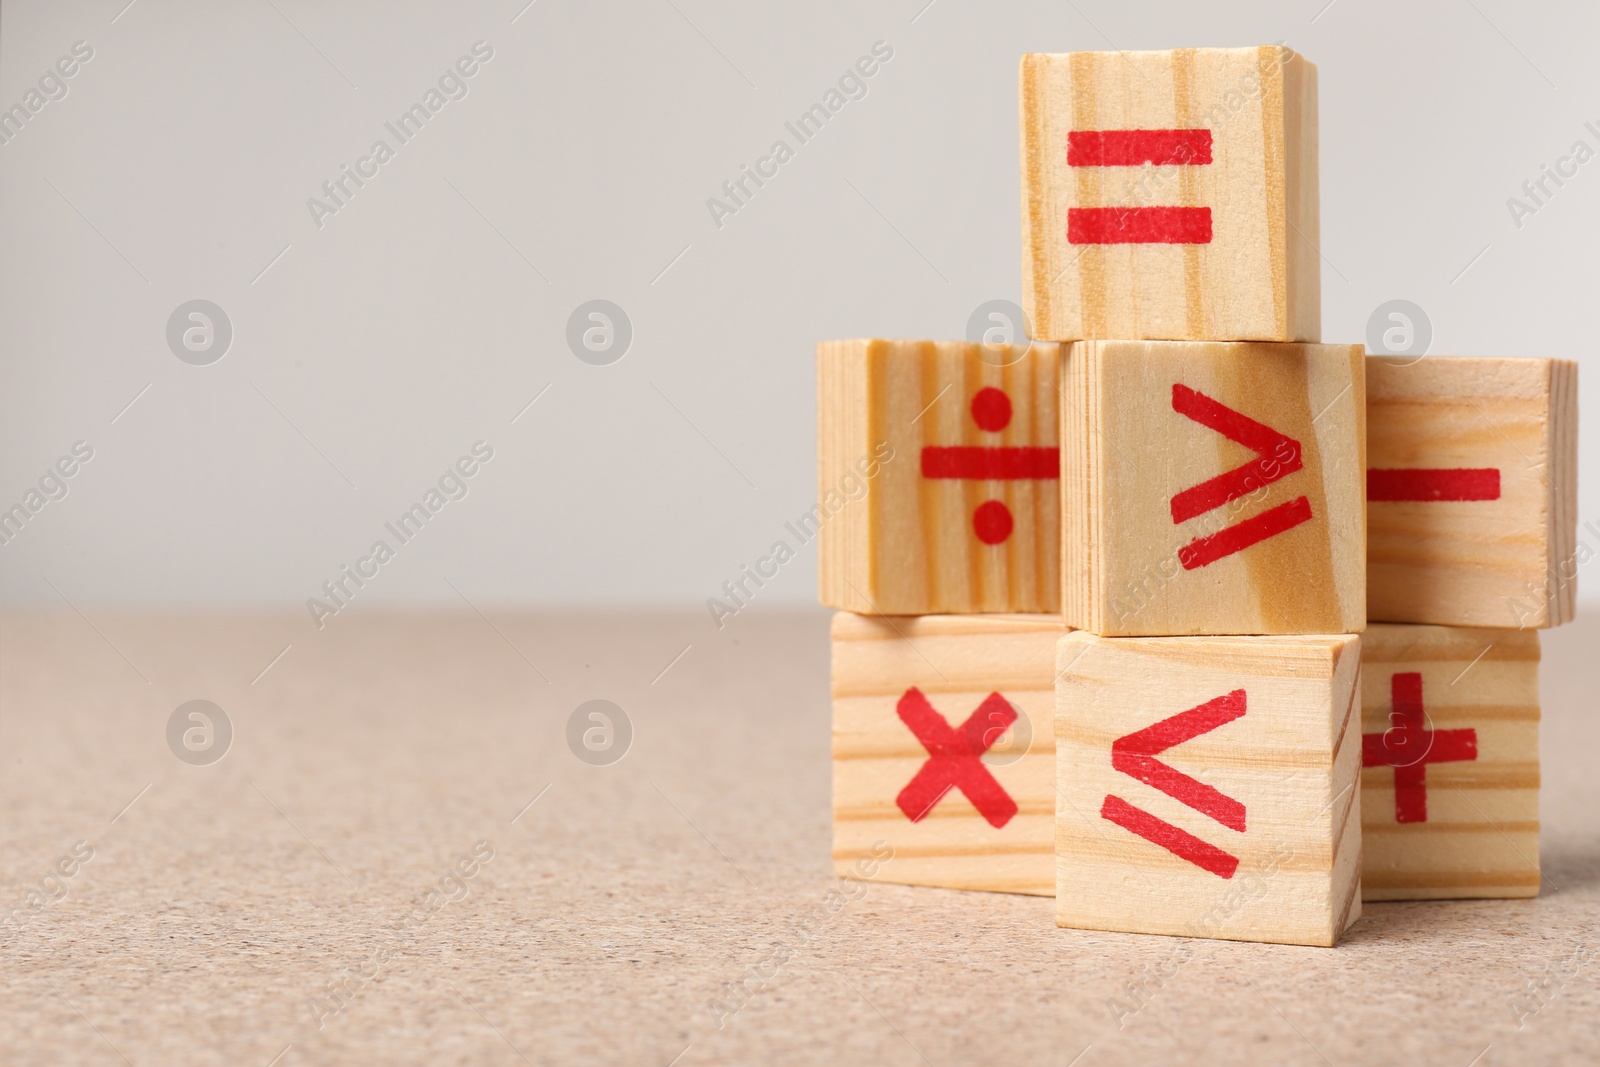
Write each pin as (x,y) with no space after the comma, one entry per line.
(370,353)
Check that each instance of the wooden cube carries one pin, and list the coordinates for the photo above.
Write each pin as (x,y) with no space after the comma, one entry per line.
(1213,488)
(1207,786)
(1450,762)
(1472,497)
(939,477)
(944,750)
(1171,195)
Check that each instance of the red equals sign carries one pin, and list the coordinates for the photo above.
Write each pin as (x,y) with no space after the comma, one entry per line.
(1138,225)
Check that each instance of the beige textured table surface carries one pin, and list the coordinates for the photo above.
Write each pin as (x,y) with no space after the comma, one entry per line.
(630,898)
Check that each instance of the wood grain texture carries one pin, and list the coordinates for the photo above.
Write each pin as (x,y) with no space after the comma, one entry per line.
(1507,561)
(1479,834)
(955,662)
(1146,552)
(897,542)
(1257,276)
(1288,758)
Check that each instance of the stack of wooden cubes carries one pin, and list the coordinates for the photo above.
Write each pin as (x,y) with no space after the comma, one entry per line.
(1104,599)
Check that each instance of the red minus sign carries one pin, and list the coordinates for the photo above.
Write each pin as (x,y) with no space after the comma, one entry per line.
(1438,483)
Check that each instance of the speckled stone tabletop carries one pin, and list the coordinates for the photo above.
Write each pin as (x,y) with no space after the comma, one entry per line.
(400,859)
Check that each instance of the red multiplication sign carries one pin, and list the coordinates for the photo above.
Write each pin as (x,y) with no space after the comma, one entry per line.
(1135,755)
(953,757)
(1433,483)
(1409,746)
(1277,455)
(1127,224)
(992,521)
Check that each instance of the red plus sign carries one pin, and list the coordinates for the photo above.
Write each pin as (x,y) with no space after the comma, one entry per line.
(1409,746)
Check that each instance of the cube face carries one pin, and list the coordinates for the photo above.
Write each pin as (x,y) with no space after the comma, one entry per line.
(1213,488)
(979,691)
(1171,195)
(939,477)
(1472,491)
(1450,754)
(1207,786)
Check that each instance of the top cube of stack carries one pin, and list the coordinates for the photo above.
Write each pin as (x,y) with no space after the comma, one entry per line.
(1171,195)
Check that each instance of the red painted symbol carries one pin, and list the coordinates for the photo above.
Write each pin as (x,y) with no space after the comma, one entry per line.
(1434,483)
(1277,455)
(953,758)
(1409,746)
(1132,148)
(991,410)
(1135,755)
(1179,842)
(1138,225)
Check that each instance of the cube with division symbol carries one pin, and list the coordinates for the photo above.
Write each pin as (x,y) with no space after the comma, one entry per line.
(1171,195)
(1206,786)
(1472,499)
(1213,488)
(939,477)
(1450,762)
(943,750)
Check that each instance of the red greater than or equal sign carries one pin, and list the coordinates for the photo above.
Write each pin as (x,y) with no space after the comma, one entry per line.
(1138,225)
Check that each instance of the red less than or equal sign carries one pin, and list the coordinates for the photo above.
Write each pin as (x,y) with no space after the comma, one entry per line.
(1139,225)
(991,410)
(1135,755)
